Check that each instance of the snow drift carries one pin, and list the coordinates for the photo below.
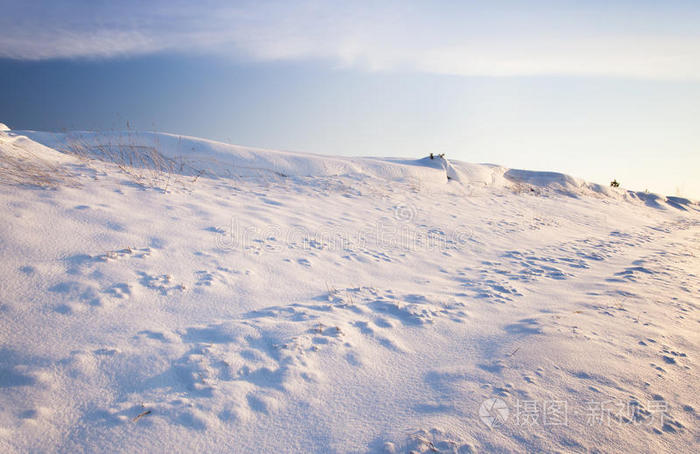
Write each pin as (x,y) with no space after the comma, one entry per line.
(171,294)
(195,157)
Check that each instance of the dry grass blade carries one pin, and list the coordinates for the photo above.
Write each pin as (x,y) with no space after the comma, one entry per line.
(20,166)
(141,415)
(142,163)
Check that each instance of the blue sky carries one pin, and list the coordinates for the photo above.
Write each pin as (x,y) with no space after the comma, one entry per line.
(597,89)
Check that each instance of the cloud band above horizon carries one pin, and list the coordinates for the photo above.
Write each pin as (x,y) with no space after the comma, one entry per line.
(630,39)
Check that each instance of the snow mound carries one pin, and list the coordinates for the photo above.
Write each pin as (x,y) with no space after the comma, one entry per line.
(4,127)
(195,157)
(545,179)
(335,308)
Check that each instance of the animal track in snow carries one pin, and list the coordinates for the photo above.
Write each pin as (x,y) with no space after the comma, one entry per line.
(124,253)
(499,281)
(276,350)
(426,441)
(161,283)
(120,291)
(206,278)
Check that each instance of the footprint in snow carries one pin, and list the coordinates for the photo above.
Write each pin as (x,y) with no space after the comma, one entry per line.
(254,360)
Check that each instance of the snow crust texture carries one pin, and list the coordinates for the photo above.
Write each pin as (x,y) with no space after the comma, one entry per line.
(163,293)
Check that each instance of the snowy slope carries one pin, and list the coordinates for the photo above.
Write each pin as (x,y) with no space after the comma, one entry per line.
(164,293)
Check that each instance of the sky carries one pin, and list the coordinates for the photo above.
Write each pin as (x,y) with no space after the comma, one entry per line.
(596,89)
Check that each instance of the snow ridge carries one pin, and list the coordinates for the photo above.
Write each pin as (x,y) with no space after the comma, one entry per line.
(168,294)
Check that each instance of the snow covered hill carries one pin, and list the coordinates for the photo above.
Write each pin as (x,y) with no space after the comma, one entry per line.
(164,293)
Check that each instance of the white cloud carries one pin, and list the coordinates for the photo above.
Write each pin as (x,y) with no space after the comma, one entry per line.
(416,36)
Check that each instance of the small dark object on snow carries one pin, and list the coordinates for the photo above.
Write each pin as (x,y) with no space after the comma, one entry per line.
(441,155)
(141,415)
(614,184)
